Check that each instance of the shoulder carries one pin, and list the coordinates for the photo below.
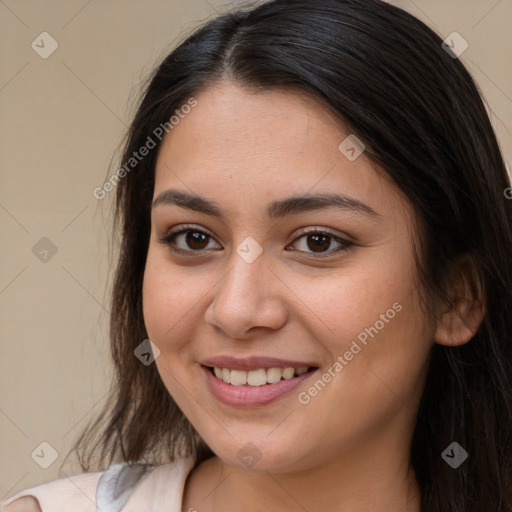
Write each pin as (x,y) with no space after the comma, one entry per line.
(108,490)
(78,490)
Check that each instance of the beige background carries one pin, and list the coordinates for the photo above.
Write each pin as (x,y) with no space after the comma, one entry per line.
(61,121)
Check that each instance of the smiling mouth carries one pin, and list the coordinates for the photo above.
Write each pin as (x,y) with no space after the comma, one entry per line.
(259,377)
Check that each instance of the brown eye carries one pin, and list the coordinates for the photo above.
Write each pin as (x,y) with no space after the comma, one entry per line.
(318,242)
(191,240)
(196,239)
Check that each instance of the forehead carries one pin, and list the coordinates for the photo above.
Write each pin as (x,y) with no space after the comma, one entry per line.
(238,145)
(255,123)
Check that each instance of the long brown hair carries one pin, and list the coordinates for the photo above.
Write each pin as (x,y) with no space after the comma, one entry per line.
(386,75)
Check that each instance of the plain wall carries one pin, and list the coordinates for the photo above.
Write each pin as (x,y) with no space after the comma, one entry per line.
(61,121)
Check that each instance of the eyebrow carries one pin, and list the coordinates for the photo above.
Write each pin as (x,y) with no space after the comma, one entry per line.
(277,209)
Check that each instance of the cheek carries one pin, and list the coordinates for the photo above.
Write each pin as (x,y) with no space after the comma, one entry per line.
(354,299)
(168,308)
(372,317)
(385,357)
(169,296)
(380,375)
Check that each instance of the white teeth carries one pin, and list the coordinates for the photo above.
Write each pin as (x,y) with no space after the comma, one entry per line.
(288,373)
(301,370)
(274,375)
(238,378)
(258,377)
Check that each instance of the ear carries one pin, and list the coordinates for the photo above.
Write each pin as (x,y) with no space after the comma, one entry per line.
(458,323)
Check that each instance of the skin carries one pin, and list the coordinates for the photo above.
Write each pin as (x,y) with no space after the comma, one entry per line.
(348,448)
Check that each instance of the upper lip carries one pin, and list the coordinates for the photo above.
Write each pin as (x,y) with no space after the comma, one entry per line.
(253,363)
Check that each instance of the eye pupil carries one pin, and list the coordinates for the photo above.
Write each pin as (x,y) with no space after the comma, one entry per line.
(316,238)
(194,237)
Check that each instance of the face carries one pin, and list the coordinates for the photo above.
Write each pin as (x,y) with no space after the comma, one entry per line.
(249,281)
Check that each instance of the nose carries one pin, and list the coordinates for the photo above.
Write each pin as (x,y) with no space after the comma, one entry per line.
(247,299)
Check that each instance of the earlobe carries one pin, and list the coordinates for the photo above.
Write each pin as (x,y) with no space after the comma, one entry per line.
(457,325)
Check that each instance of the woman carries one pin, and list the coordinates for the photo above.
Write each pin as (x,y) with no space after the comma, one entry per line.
(315,239)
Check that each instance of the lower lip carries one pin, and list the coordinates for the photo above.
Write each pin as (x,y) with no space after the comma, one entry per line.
(249,396)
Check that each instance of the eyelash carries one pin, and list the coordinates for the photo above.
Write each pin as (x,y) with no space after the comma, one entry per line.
(170,238)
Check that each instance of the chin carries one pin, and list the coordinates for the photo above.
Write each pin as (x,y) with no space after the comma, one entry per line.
(261,454)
